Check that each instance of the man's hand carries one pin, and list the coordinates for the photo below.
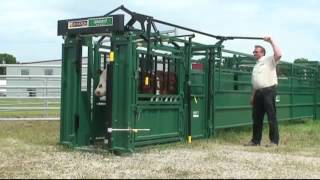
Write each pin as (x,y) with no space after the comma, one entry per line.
(268,39)
(276,49)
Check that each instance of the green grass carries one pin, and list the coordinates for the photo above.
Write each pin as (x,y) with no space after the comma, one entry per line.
(298,134)
(34,132)
(293,132)
(295,136)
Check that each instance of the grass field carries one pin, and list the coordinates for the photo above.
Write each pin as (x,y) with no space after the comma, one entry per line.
(30,149)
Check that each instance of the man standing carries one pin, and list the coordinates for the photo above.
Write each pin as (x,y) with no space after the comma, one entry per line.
(264,82)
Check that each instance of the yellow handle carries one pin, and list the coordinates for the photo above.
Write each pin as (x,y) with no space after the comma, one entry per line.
(146,81)
(111,56)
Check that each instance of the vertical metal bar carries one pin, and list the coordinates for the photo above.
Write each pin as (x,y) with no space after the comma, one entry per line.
(78,57)
(291,92)
(219,77)
(213,90)
(46,100)
(175,65)
(168,76)
(63,94)
(317,78)
(104,60)
(142,71)
(89,86)
(164,82)
(130,90)
(149,56)
(155,74)
(209,90)
(109,87)
(314,94)
(112,84)
(318,93)
(90,69)
(188,85)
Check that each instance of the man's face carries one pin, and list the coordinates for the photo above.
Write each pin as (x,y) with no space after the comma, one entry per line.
(258,53)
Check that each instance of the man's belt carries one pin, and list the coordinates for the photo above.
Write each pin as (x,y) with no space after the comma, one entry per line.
(267,88)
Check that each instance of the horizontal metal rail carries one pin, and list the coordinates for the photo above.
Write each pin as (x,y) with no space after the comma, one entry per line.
(30,76)
(20,94)
(36,97)
(39,103)
(36,87)
(29,65)
(31,119)
(29,108)
(33,65)
(35,76)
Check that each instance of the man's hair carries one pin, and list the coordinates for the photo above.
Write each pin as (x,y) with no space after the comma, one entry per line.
(262,48)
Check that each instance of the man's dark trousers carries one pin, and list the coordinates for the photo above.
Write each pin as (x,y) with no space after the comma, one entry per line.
(264,102)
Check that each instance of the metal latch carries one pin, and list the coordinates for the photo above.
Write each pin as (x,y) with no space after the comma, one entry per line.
(129,130)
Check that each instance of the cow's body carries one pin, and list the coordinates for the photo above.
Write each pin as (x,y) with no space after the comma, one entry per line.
(164,83)
(102,88)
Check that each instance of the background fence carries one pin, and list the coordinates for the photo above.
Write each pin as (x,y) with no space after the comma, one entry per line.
(30,92)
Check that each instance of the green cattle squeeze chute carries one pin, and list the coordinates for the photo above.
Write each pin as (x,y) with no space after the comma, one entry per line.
(162,88)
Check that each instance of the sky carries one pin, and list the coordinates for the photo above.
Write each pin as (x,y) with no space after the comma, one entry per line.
(29,27)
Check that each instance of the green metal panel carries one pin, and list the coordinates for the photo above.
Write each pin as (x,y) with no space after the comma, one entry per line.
(163,121)
(224,81)
(198,103)
(283,104)
(233,91)
(70,85)
(198,117)
(232,109)
(83,133)
(200,87)
(244,81)
(122,114)
(162,113)
(75,104)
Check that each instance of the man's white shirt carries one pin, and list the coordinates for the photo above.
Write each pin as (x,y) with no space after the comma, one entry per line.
(264,73)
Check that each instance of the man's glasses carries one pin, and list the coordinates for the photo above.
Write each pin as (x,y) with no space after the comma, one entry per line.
(255,52)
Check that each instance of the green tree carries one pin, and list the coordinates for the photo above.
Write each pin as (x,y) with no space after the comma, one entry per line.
(6,59)
(301,60)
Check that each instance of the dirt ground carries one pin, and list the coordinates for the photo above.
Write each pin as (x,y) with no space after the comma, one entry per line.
(203,159)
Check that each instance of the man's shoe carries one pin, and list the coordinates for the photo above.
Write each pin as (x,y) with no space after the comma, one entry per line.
(272,144)
(250,143)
